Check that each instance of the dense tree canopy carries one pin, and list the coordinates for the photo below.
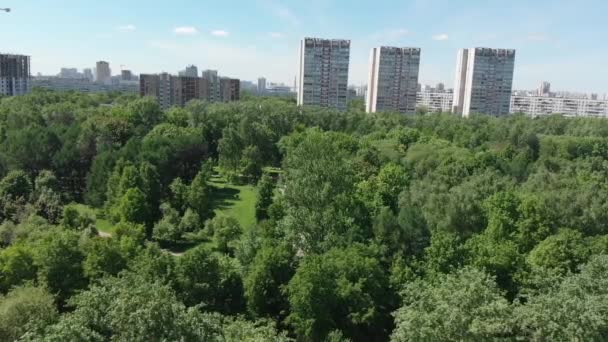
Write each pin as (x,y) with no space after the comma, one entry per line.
(263,221)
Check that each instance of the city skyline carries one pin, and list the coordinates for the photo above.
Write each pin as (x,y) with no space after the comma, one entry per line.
(242,39)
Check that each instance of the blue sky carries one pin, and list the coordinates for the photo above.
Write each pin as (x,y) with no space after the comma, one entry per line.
(563,42)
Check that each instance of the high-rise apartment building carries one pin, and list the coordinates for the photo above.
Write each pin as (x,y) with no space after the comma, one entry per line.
(484,81)
(393,79)
(211,86)
(186,89)
(230,89)
(323,79)
(126,75)
(190,71)
(69,73)
(88,74)
(103,72)
(14,75)
(544,89)
(179,90)
(261,85)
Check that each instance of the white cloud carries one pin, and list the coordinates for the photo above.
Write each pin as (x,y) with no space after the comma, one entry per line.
(127,28)
(220,33)
(185,30)
(280,11)
(276,35)
(441,37)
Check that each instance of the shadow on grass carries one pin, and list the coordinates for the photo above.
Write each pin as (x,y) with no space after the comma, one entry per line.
(178,247)
(221,197)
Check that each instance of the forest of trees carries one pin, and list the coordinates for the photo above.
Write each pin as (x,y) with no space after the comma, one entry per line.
(368,227)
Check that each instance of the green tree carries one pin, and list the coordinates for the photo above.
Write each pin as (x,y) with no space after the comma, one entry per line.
(16,267)
(466,306)
(26,310)
(571,310)
(343,289)
(58,259)
(264,197)
(562,252)
(269,272)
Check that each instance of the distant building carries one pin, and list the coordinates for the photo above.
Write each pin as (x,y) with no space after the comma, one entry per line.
(69,73)
(185,89)
(573,107)
(14,75)
(261,85)
(440,87)
(393,79)
(544,89)
(82,85)
(323,74)
(211,87)
(104,74)
(230,89)
(190,71)
(484,81)
(88,74)
(435,101)
(126,75)
(172,90)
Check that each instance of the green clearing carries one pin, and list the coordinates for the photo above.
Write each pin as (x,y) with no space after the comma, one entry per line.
(237,201)
(101,224)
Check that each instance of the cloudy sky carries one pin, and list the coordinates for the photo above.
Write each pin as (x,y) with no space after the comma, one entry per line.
(563,42)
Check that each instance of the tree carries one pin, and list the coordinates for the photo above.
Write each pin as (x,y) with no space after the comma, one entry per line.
(269,272)
(225,231)
(321,209)
(129,309)
(26,310)
(570,310)
(199,195)
(202,278)
(133,207)
(251,163)
(58,259)
(343,289)
(16,267)
(15,191)
(264,197)
(562,252)
(466,305)
(103,257)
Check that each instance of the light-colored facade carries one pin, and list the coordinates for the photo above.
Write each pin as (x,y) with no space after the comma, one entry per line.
(544,89)
(82,85)
(211,88)
(435,101)
(261,85)
(14,75)
(323,74)
(103,72)
(484,81)
(543,105)
(393,79)
(190,71)
(88,74)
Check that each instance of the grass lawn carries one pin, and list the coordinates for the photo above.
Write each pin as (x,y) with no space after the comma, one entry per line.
(101,224)
(237,201)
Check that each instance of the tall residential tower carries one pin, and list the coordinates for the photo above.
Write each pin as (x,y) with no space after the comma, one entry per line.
(14,75)
(393,79)
(103,72)
(484,81)
(324,72)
